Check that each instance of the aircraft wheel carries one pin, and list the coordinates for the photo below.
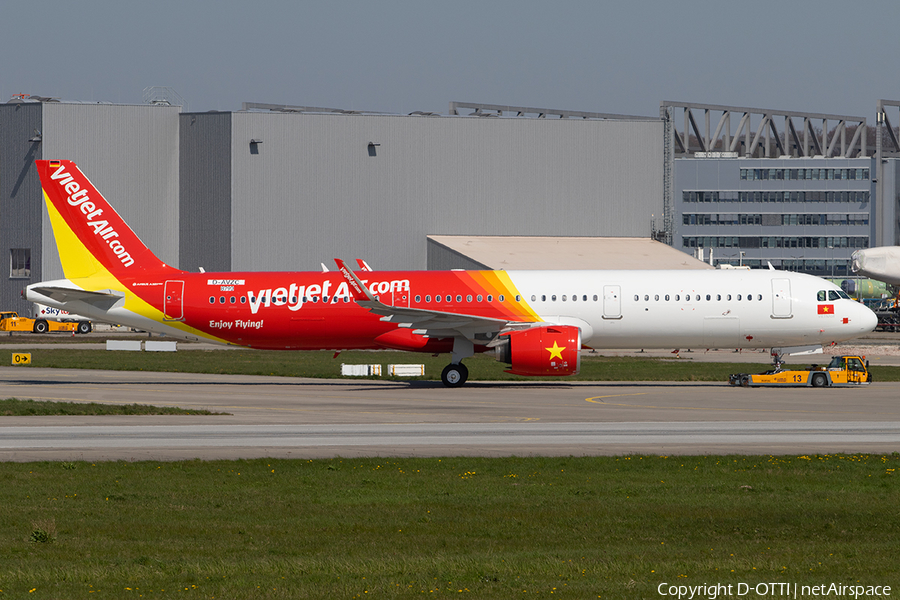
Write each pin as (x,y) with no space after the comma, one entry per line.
(41,327)
(454,375)
(84,327)
(819,380)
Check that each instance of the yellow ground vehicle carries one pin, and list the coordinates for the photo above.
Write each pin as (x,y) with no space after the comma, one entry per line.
(11,321)
(841,371)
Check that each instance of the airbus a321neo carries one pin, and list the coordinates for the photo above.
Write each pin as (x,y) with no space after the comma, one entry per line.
(535,321)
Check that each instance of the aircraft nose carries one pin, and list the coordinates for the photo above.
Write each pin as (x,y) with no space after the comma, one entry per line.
(867,320)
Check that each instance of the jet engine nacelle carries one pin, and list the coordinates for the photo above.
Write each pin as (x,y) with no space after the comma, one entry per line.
(542,351)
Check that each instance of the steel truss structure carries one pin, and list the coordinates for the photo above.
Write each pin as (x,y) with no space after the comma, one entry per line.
(807,141)
(497,110)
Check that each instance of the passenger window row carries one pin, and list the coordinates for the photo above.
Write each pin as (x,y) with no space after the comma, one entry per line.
(469,298)
(282,299)
(697,297)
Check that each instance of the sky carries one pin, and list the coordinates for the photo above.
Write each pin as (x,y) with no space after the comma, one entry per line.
(624,57)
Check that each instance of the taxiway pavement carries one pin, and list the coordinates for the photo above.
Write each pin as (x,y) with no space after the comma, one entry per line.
(306,418)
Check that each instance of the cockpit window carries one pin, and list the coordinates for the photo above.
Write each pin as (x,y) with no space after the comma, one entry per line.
(832,295)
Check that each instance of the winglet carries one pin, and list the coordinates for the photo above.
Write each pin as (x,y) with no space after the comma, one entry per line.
(359,291)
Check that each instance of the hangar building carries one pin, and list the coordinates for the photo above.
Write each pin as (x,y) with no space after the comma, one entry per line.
(287,188)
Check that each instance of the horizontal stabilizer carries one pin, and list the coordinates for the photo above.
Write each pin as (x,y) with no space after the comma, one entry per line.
(101,299)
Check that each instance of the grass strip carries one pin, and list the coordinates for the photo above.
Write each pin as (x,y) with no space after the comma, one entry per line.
(14,407)
(609,527)
(324,365)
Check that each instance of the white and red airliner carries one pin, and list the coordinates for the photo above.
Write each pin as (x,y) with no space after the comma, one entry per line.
(535,321)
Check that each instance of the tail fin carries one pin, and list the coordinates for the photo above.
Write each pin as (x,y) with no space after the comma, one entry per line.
(91,236)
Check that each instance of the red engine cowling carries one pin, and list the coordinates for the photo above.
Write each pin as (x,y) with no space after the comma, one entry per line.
(550,350)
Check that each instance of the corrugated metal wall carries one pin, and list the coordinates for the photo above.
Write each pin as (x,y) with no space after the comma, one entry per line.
(205,184)
(314,189)
(131,154)
(199,194)
(20,214)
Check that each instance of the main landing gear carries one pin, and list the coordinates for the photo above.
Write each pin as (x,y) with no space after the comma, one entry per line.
(454,375)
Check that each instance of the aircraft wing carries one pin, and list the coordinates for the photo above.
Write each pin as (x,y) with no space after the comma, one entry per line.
(432,323)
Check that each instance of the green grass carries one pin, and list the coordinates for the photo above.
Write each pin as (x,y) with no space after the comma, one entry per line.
(323,365)
(13,407)
(609,527)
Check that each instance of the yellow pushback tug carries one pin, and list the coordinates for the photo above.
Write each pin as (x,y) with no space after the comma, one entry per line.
(841,371)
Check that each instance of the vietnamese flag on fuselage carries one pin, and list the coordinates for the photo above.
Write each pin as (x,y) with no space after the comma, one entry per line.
(826,309)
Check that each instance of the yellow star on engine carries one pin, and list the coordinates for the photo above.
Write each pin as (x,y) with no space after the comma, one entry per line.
(555,351)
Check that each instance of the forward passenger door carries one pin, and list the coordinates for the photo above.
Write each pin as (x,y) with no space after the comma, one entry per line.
(781,298)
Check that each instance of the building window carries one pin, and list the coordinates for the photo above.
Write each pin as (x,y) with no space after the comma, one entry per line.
(20,263)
